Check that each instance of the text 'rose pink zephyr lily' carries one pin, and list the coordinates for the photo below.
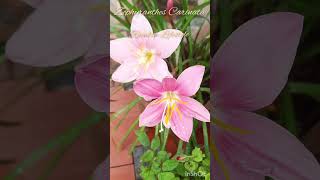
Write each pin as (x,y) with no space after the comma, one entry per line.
(173,106)
(142,55)
(248,73)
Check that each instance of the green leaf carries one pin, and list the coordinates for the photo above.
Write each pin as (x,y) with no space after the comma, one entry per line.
(169,165)
(131,128)
(125,108)
(147,156)
(143,138)
(206,162)
(197,155)
(155,144)
(156,167)
(163,155)
(147,174)
(191,166)
(225,19)
(166,176)
(180,170)
(309,89)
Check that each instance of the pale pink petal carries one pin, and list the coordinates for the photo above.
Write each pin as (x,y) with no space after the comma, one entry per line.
(148,88)
(268,149)
(140,26)
(167,41)
(190,80)
(152,115)
(159,70)
(181,126)
(101,173)
(121,49)
(57,32)
(169,84)
(91,81)
(252,66)
(126,72)
(195,109)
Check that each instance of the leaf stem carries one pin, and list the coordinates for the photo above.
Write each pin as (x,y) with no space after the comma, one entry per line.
(165,138)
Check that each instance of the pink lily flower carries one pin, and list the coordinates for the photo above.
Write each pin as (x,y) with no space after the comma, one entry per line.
(173,106)
(142,56)
(249,71)
(48,38)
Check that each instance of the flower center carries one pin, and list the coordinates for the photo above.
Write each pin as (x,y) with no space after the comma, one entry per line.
(170,99)
(145,56)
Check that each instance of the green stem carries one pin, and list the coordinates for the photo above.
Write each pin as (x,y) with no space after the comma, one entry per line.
(156,131)
(165,138)
(206,139)
(180,145)
(188,148)
(194,139)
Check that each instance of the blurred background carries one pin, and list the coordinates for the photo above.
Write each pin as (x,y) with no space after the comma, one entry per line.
(46,130)
(298,107)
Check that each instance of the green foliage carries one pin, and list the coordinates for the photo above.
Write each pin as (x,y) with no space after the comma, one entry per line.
(143,138)
(155,144)
(161,165)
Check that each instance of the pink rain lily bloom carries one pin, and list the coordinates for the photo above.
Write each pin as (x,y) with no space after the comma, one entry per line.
(248,73)
(48,38)
(173,106)
(142,56)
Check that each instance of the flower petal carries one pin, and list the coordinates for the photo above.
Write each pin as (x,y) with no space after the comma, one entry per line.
(148,88)
(91,81)
(181,126)
(140,26)
(190,80)
(121,49)
(98,47)
(152,115)
(167,41)
(126,72)
(48,38)
(169,84)
(194,109)
(159,70)
(252,66)
(269,150)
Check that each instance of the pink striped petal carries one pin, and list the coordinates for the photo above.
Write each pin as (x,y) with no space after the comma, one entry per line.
(91,81)
(252,66)
(140,26)
(181,126)
(152,115)
(190,80)
(126,72)
(48,38)
(121,49)
(148,88)
(195,109)
(167,41)
(169,84)
(269,150)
